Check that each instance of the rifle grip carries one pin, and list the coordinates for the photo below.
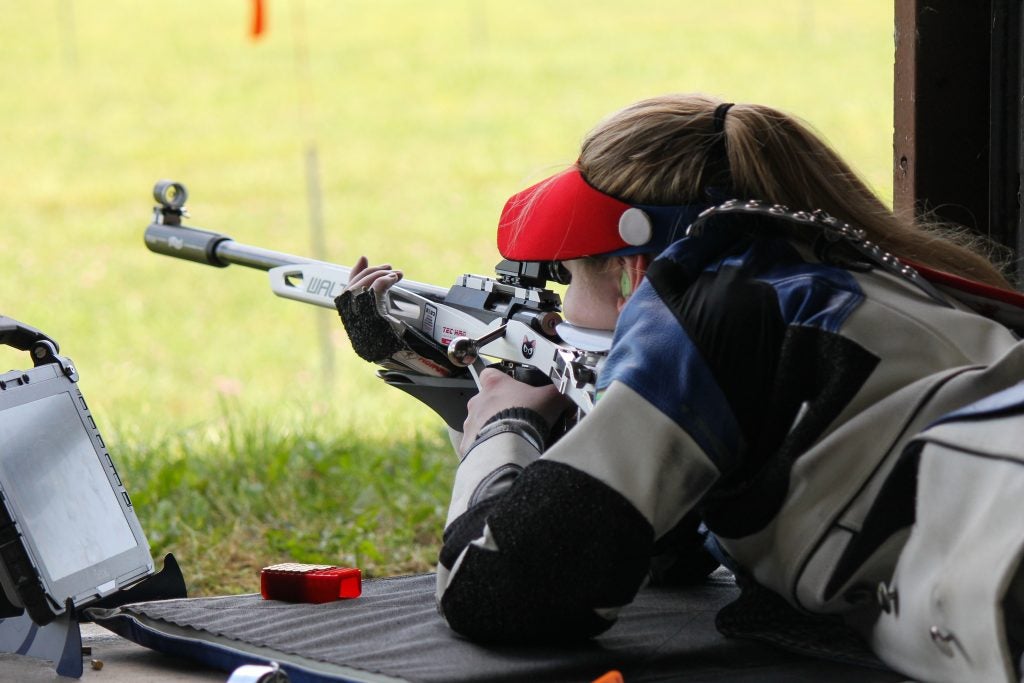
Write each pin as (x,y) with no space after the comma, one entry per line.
(528,374)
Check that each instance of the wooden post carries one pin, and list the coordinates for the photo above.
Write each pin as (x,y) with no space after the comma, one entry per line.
(957,117)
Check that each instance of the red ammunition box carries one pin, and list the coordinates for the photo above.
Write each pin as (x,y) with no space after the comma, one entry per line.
(316,583)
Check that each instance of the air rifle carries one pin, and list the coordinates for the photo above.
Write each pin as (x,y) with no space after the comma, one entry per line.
(512,319)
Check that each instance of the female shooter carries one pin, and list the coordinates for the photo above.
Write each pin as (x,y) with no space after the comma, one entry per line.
(764,377)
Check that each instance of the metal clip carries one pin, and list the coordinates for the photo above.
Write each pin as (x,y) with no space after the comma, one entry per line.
(888,598)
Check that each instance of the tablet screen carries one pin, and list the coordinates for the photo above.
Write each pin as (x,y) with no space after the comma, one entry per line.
(51,472)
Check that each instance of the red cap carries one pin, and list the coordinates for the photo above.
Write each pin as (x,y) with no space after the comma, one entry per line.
(564,217)
(560,218)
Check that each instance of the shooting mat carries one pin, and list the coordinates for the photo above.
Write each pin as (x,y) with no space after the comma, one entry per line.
(393,633)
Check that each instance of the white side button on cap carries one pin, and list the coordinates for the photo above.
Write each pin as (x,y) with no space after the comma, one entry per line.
(635,227)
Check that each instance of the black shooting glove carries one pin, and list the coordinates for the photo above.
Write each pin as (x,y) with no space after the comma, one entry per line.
(374,339)
(372,336)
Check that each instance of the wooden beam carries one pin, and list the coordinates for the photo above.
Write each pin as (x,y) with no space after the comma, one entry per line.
(957,114)
(941,99)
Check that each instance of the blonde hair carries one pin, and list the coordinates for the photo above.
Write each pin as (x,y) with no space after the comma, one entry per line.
(656,152)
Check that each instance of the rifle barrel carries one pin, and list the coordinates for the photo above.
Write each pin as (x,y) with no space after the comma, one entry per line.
(230,251)
(216,249)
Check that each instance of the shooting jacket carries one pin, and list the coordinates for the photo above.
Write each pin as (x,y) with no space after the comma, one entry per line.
(754,384)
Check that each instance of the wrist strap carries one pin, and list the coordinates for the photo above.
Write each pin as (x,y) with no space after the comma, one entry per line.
(523,422)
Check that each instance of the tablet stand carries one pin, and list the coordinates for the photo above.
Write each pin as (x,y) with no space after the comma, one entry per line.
(60,641)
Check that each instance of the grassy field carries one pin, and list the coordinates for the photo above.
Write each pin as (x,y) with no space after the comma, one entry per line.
(248,431)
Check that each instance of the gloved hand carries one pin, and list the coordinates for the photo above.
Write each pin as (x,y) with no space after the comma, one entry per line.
(373,336)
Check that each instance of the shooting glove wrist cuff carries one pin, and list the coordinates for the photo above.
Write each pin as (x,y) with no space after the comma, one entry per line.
(523,422)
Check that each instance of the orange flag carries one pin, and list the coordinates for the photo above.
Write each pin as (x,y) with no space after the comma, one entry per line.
(258,24)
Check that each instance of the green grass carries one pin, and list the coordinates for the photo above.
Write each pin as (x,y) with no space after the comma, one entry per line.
(240,494)
(425,117)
